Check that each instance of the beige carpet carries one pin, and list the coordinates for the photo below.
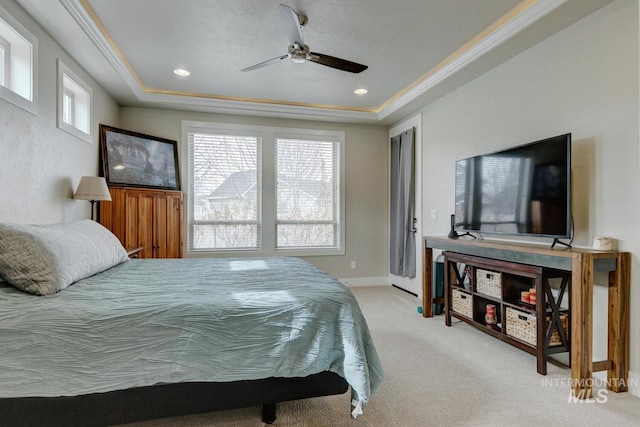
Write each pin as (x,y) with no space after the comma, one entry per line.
(439,376)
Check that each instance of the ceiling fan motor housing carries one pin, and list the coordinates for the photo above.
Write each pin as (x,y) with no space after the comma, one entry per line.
(299,54)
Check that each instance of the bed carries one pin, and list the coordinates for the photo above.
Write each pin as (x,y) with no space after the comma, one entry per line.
(113,340)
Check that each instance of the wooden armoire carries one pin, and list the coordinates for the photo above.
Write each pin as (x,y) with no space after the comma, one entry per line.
(145,218)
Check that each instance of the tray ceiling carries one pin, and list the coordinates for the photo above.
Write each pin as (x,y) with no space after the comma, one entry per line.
(415,50)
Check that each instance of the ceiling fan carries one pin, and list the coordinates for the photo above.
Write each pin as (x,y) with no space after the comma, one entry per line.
(299,52)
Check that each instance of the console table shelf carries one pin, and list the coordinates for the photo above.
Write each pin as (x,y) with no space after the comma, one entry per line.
(578,264)
(509,281)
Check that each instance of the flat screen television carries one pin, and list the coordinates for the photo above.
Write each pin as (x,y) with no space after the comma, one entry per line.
(524,190)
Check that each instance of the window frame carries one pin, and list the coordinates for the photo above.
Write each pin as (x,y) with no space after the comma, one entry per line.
(191,201)
(67,93)
(22,94)
(267,213)
(335,222)
(6,62)
(82,103)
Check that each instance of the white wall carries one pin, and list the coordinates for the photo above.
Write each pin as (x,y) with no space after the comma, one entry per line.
(583,80)
(40,165)
(366,184)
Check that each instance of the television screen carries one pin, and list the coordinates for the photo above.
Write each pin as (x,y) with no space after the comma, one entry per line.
(521,190)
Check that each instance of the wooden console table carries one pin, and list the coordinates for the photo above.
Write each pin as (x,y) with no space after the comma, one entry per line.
(582,263)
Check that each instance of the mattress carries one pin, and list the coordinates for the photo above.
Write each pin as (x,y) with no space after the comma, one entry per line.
(152,321)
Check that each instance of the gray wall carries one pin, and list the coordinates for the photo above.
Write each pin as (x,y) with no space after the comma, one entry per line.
(366,183)
(40,165)
(583,80)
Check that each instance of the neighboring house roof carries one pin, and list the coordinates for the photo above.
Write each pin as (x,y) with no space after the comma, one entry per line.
(236,185)
(239,183)
(311,188)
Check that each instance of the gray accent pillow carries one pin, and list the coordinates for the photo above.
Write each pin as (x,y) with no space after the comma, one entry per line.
(44,259)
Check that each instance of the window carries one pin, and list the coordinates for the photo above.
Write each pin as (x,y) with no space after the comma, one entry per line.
(224,181)
(306,214)
(18,63)
(74,104)
(263,189)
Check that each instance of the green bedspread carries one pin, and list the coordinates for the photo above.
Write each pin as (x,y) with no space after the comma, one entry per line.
(147,322)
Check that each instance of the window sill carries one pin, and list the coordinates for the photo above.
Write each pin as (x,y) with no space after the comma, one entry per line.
(74,131)
(262,253)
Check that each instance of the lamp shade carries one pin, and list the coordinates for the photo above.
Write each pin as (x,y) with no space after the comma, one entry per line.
(92,188)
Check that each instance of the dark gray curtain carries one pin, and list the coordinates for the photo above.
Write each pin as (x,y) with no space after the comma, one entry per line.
(402,244)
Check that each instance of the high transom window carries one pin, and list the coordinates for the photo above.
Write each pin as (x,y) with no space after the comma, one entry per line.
(18,63)
(74,103)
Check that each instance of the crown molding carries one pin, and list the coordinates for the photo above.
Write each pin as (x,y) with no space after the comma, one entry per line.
(257,107)
(82,12)
(508,26)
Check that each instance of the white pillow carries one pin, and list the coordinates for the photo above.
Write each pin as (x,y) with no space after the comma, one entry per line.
(44,259)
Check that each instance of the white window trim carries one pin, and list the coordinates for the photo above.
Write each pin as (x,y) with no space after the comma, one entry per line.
(268,204)
(73,128)
(6,46)
(68,93)
(190,202)
(30,102)
(339,177)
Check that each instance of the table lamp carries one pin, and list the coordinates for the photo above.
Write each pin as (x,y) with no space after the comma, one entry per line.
(93,189)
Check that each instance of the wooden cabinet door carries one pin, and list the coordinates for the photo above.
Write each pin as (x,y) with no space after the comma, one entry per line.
(139,222)
(112,214)
(151,219)
(170,225)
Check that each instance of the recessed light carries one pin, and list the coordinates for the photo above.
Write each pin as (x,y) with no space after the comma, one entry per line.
(181,72)
(360,91)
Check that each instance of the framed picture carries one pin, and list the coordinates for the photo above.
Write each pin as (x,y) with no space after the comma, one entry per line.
(134,159)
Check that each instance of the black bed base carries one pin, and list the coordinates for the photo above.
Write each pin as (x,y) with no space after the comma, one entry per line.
(167,400)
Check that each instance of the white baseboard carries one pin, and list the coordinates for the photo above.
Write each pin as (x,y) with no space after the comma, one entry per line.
(353,282)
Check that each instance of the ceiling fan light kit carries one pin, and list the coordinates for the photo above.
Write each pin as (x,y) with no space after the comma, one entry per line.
(299,52)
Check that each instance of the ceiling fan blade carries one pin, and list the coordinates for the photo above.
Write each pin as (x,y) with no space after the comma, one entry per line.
(265,63)
(340,64)
(292,25)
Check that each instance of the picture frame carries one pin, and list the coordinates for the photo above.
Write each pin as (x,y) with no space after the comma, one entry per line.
(133,159)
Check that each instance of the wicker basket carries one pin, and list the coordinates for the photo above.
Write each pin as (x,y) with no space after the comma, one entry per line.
(522,325)
(488,283)
(462,303)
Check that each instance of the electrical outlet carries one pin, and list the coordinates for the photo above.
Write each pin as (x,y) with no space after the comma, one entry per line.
(434,214)
(353,265)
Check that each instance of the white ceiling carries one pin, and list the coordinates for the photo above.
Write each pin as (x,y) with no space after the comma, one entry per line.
(416,50)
